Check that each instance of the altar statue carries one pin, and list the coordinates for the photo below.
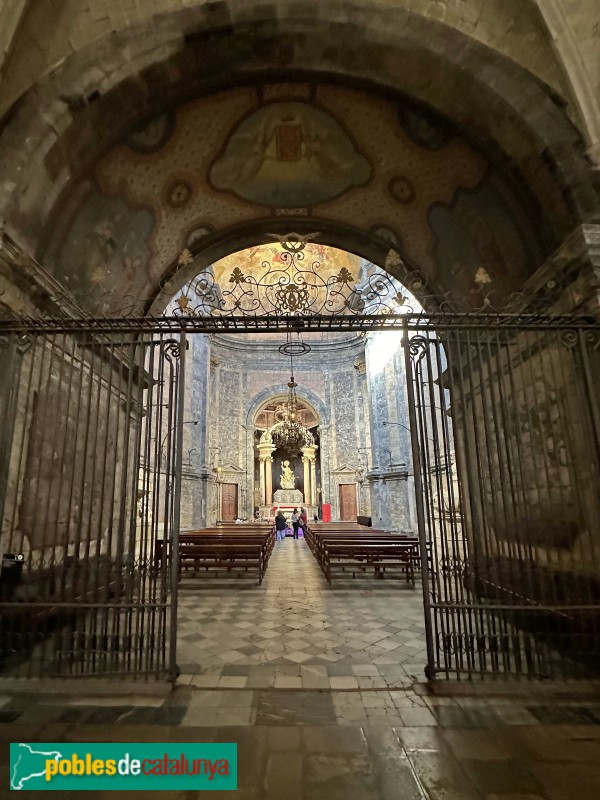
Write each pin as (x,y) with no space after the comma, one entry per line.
(288,479)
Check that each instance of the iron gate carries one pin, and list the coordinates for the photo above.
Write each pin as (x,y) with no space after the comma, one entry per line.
(90,462)
(505,431)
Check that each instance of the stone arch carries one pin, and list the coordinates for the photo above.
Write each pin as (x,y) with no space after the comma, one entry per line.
(281,390)
(371,245)
(458,76)
(167,20)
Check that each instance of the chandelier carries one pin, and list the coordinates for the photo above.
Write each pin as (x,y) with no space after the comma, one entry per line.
(290,432)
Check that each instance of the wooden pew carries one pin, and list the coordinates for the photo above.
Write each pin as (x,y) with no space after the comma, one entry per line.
(350,548)
(322,542)
(320,538)
(264,533)
(214,557)
(60,590)
(314,536)
(265,541)
(218,549)
(361,557)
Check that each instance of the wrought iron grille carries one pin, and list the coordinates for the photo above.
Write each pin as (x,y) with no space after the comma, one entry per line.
(89,482)
(506,448)
(294,284)
(505,428)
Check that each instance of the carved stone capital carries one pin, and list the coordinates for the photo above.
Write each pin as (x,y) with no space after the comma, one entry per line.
(360,365)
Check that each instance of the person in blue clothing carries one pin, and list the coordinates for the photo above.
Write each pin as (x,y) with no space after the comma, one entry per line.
(280,526)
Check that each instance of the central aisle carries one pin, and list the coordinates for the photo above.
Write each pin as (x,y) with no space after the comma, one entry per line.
(296,632)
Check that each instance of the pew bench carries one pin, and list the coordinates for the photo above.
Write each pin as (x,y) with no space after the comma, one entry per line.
(313,535)
(57,592)
(266,545)
(319,540)
(216,557)
(266,540)
(361,558)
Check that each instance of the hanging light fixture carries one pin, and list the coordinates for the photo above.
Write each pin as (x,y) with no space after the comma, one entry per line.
(290,432)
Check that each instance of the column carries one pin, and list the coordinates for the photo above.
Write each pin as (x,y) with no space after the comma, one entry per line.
(307,492)
(310,474)
(326,491)
(219,499)
(262,480)
(269,481)
(265,450)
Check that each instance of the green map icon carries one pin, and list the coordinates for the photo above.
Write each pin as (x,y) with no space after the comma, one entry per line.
(29,768)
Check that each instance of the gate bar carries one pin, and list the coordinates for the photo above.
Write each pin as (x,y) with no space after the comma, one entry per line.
(590,392)
(430,666)
(173,668)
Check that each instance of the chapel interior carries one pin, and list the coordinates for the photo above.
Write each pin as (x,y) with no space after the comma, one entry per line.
(337,261)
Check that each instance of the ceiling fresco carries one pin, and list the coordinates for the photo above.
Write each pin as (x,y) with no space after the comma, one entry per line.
(290,277)
(296,150)
(286,152)
(329,261)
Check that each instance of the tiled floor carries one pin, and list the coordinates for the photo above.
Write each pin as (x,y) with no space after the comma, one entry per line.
(296,632)
(336,745)
(320,709)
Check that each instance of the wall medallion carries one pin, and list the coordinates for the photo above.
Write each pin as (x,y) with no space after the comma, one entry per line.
(402,190)
(178,193)
(425,128)
(289,155)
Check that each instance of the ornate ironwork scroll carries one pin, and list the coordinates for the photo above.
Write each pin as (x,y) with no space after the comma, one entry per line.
(294,284)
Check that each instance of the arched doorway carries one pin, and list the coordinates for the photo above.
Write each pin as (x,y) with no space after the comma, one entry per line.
(287,458)
(466,551)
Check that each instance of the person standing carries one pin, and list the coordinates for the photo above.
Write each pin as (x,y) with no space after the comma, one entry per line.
(303,520)
(296,521)
(280,526)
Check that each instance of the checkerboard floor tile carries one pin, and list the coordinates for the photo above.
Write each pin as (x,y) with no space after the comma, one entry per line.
(296,619)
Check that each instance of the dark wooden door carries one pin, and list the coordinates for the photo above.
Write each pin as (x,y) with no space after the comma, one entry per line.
(348,501)
(229,501)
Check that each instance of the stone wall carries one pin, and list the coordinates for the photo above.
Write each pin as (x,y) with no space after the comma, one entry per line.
(390,471)
(529,478)
(71,420)
(245,372)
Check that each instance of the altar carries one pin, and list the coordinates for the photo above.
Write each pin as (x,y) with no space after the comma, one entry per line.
(288,497)
(267,513)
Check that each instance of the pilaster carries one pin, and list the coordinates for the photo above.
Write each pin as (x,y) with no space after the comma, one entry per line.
(389,499)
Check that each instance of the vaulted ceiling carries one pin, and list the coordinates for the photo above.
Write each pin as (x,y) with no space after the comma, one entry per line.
(463,134)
